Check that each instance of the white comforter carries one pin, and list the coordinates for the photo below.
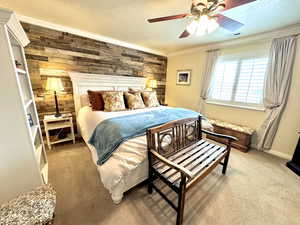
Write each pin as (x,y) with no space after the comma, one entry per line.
(127,157)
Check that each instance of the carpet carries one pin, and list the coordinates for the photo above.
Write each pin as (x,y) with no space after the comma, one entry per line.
(258,189)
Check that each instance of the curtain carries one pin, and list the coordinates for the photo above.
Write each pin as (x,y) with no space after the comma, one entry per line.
(211,60)
(277,84)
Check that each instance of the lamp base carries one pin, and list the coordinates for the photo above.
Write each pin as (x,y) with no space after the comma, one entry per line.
(57,115)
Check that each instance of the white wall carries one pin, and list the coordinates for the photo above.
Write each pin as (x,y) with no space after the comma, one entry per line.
(189,97)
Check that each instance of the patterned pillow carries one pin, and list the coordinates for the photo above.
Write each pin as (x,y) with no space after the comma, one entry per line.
(132,90)
(96,100)
(113,101)
(134,100)
(150,98)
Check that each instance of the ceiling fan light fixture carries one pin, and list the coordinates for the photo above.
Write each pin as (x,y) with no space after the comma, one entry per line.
(203,25)
(212,25)
(193,26)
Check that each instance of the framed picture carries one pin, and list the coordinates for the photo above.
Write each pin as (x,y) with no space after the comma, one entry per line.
(30,119)
(183,77)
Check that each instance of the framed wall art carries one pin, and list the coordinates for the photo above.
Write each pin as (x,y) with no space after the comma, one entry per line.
(183,77)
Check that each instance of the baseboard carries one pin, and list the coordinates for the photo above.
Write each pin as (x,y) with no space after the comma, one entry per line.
(280,154)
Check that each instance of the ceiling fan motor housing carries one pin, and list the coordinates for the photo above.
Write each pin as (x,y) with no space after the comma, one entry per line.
(200,8)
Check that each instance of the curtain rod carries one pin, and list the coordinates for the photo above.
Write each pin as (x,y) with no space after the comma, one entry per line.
(212,50)
(217,49)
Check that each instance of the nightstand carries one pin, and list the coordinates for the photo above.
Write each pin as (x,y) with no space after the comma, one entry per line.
(58,123)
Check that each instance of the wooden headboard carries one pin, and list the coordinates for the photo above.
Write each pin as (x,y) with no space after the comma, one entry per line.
(87,81)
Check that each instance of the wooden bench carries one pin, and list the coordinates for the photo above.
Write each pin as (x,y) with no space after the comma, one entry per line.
(181,158)
(243,133)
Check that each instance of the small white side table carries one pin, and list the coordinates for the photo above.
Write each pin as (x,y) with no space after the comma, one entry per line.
(54,123)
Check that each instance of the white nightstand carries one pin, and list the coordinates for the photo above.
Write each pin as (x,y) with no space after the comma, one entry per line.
(54,123)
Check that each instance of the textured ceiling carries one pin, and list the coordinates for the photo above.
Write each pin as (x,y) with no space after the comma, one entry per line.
(125,20)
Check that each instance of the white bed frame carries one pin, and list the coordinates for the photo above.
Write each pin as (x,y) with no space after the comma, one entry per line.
(83,82)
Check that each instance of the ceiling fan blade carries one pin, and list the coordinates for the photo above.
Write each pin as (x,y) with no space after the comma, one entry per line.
(227,23)
(180,16)
(235,3)
(184,34)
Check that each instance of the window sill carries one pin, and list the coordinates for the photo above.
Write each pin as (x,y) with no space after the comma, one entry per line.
(256,108)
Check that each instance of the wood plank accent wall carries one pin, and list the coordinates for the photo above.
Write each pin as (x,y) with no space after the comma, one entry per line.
(54,53)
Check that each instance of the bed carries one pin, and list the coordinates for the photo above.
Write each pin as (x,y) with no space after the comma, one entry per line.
(128,165)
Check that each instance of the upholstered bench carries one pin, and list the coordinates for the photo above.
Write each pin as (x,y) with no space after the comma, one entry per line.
(32,208)
(242,133)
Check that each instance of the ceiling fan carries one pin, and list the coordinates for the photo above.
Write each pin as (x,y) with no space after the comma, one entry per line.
(206,18)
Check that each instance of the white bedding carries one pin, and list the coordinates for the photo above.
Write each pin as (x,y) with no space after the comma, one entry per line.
(128,165)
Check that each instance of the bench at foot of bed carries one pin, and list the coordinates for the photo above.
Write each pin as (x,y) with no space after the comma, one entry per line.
(186,160)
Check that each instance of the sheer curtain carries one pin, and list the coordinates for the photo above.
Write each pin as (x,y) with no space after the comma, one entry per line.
(211,60)
(277,85)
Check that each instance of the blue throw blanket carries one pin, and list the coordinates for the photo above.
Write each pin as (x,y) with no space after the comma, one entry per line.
(111,133)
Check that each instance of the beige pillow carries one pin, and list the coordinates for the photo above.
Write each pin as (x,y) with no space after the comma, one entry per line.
(134,100)
(113,101)
(150,98)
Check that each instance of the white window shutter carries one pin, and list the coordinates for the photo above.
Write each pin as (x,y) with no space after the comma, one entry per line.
(239,81)
(223,80)
(250,82)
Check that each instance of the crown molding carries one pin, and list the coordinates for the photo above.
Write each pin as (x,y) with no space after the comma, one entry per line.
(266,36)
(5,15)
(94,36)
(9,18)
(16,28)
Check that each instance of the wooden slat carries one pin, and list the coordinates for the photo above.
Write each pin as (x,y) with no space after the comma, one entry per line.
(190,164)
(171,164)
(193,154)
(179,153)
(197,151)
(200,154)
(198,161)
(207,162)
(205,172)
(171,124)
(200,168)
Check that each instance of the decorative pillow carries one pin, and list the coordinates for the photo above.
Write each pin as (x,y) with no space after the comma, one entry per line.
(113,101)
(150,98)
(96,100)
(131,90)
(134,100)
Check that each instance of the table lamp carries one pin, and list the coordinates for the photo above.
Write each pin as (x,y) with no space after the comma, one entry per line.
(152,84)
(55,84)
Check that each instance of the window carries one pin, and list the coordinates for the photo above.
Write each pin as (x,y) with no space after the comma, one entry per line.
(239,81)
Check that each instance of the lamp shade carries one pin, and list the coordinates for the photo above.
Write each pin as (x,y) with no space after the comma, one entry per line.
(153,83)
(54,84)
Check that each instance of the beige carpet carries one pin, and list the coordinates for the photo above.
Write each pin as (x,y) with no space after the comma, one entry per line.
(258,189)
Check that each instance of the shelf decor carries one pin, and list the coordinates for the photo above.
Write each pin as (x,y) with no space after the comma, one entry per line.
(30,119)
